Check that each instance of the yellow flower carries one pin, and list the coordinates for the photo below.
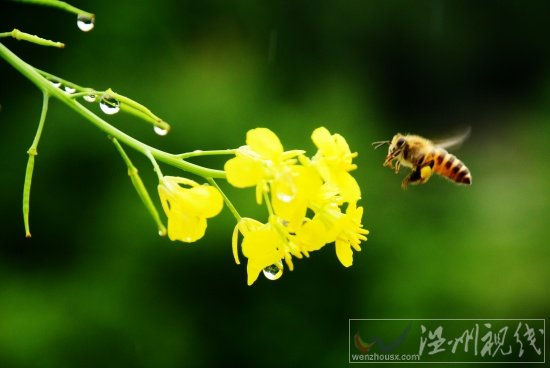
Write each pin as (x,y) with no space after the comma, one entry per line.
(334,161)
(349,233)
(331,225)
(262,244)
(259,163)
(187,206)
(293,193)
(312,236)
(306,201)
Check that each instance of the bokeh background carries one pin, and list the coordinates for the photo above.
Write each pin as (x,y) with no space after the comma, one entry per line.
(96,286)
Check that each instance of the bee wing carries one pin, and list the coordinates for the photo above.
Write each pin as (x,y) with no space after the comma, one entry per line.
(453,142)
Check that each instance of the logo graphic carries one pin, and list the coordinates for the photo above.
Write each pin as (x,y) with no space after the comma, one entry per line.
(466,341)
(365,347)
(362,346)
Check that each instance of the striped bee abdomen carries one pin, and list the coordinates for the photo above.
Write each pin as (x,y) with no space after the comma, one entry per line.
(447,165)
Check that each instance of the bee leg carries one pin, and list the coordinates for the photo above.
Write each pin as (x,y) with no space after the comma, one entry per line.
(397,166)
(413,178)
(420,175)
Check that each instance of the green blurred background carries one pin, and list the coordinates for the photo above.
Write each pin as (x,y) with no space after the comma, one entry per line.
(96,286)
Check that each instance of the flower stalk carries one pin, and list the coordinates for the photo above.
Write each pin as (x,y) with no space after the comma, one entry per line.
(44,85)
(311,201)
(140,188)
(32,152)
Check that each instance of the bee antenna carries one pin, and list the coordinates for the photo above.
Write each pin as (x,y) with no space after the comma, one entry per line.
(379,144)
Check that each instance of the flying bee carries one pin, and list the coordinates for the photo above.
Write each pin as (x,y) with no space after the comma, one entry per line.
(425,157)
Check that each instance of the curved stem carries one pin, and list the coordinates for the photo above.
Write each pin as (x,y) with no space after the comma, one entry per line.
(58,4)
(206,153)
(226,200)
(156,167)
(268,204)
(33,151)
(34,76)
(140,187)
(18,35)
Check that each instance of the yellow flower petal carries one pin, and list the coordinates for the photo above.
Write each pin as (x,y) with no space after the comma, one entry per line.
(344,253)
(351,234)
(185,227)
(347,185)
(243,171)
(235,244)
(263,247)
(264,142)
(311,236)
(292,191)
(334,161)
(211,199)
(322,139)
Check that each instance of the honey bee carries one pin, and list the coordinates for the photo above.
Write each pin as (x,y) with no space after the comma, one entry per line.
(425,157)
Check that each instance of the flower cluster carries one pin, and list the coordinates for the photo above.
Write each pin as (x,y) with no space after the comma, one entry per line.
(312,202)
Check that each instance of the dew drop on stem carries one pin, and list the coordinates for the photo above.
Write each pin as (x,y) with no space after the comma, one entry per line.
(109,105)
(89,98)
(160,131)
(85,22)
(69,90)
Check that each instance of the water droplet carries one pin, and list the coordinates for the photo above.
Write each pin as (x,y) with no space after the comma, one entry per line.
(285,197)
(273,272)
(55,83)
(285,191)
(90,98)
(160,131)
(285,187)
(109,105)
(69,90)
(162,232)
(85,22)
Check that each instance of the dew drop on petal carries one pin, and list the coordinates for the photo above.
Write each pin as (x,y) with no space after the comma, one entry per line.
(89,98)
(285,192)
(160,131)
(85,22)
(273,272)
(285,197)
(109,105)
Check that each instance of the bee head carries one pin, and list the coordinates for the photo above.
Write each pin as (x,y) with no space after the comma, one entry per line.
(396,144)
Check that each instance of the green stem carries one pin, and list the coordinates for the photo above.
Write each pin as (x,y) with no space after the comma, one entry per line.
(91,92)
(43,84)
(140,188)
(55,78)
(268,204)
(226,200)
(156,166)
(126,104)
(59,5)
(23,36)
(206,153)
(32,152)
